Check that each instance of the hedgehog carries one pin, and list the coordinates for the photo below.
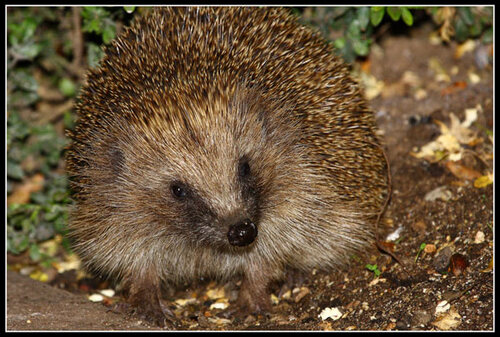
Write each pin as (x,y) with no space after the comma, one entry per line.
(221,142)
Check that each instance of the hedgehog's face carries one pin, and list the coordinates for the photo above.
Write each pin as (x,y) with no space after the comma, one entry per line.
(227,215)
(207,176)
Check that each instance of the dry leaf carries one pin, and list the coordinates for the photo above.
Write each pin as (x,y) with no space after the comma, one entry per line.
(442,307)
(388,246)
(462,172)
(216,293)
(457,86)
(448,143)
(440,72)
(465,47)
(483,181)
(185,301)
(372,87)
(301,294)
(332,313)
(458,264)
(448,321)
(21,194)
(441,192)
(39,276)
(489,268)
(222,304)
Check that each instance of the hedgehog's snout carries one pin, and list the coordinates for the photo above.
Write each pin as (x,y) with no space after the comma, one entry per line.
(242,233)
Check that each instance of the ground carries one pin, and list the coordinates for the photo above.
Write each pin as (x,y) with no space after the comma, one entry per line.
(448,285)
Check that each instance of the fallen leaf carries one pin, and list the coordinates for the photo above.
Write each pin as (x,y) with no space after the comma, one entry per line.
(372,86)
(332,313)
(456,86)
(376,281)
(220,304)
(448,321)
(448,143)
(185,301)
(442,307)
(389,246)
(22,194)
(463,48)
(440,73)
(483,181)
(219,321)
(441,192)
(458,264)
(39,276)
(216,293)
(301,294)
(489,268)
(461,131)
(462,172)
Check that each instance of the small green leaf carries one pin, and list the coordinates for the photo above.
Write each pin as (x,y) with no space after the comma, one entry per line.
(129,9)
(394,13)
(363,17)
(461,31)
(67,87)
(94,54)
(376,15)
(407,16)
(488,36)
(361,47)
(34,252)
(420,249)
(339,43)
(466,14)
(14,170)
(108,32)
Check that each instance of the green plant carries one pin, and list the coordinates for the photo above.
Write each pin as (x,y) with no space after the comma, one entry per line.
(420,249)
(357,26)
(40,219)
(464,22)
(373,268)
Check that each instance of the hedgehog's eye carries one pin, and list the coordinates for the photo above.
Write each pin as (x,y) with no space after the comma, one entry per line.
(178,190)
(244,168)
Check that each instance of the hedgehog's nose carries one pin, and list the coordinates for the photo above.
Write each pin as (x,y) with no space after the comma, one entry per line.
(242,233)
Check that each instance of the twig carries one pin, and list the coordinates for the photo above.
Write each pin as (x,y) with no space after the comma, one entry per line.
(77,41)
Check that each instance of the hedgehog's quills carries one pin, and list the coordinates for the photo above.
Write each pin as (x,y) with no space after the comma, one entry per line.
(213,142)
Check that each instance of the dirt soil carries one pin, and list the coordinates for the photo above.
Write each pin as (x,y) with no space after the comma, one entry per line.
(446,286)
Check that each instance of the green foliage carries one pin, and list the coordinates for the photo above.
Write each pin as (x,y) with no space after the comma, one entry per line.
(40,219)
(67,87)
(22,40)
(358,24)
(98,20)
(472,23)
(354,28)
(373,268)
(40,47)
(420,249)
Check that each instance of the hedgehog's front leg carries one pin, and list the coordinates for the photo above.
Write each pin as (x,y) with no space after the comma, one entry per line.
(144,298)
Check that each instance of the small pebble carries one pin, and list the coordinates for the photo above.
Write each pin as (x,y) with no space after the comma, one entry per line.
(479,237)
